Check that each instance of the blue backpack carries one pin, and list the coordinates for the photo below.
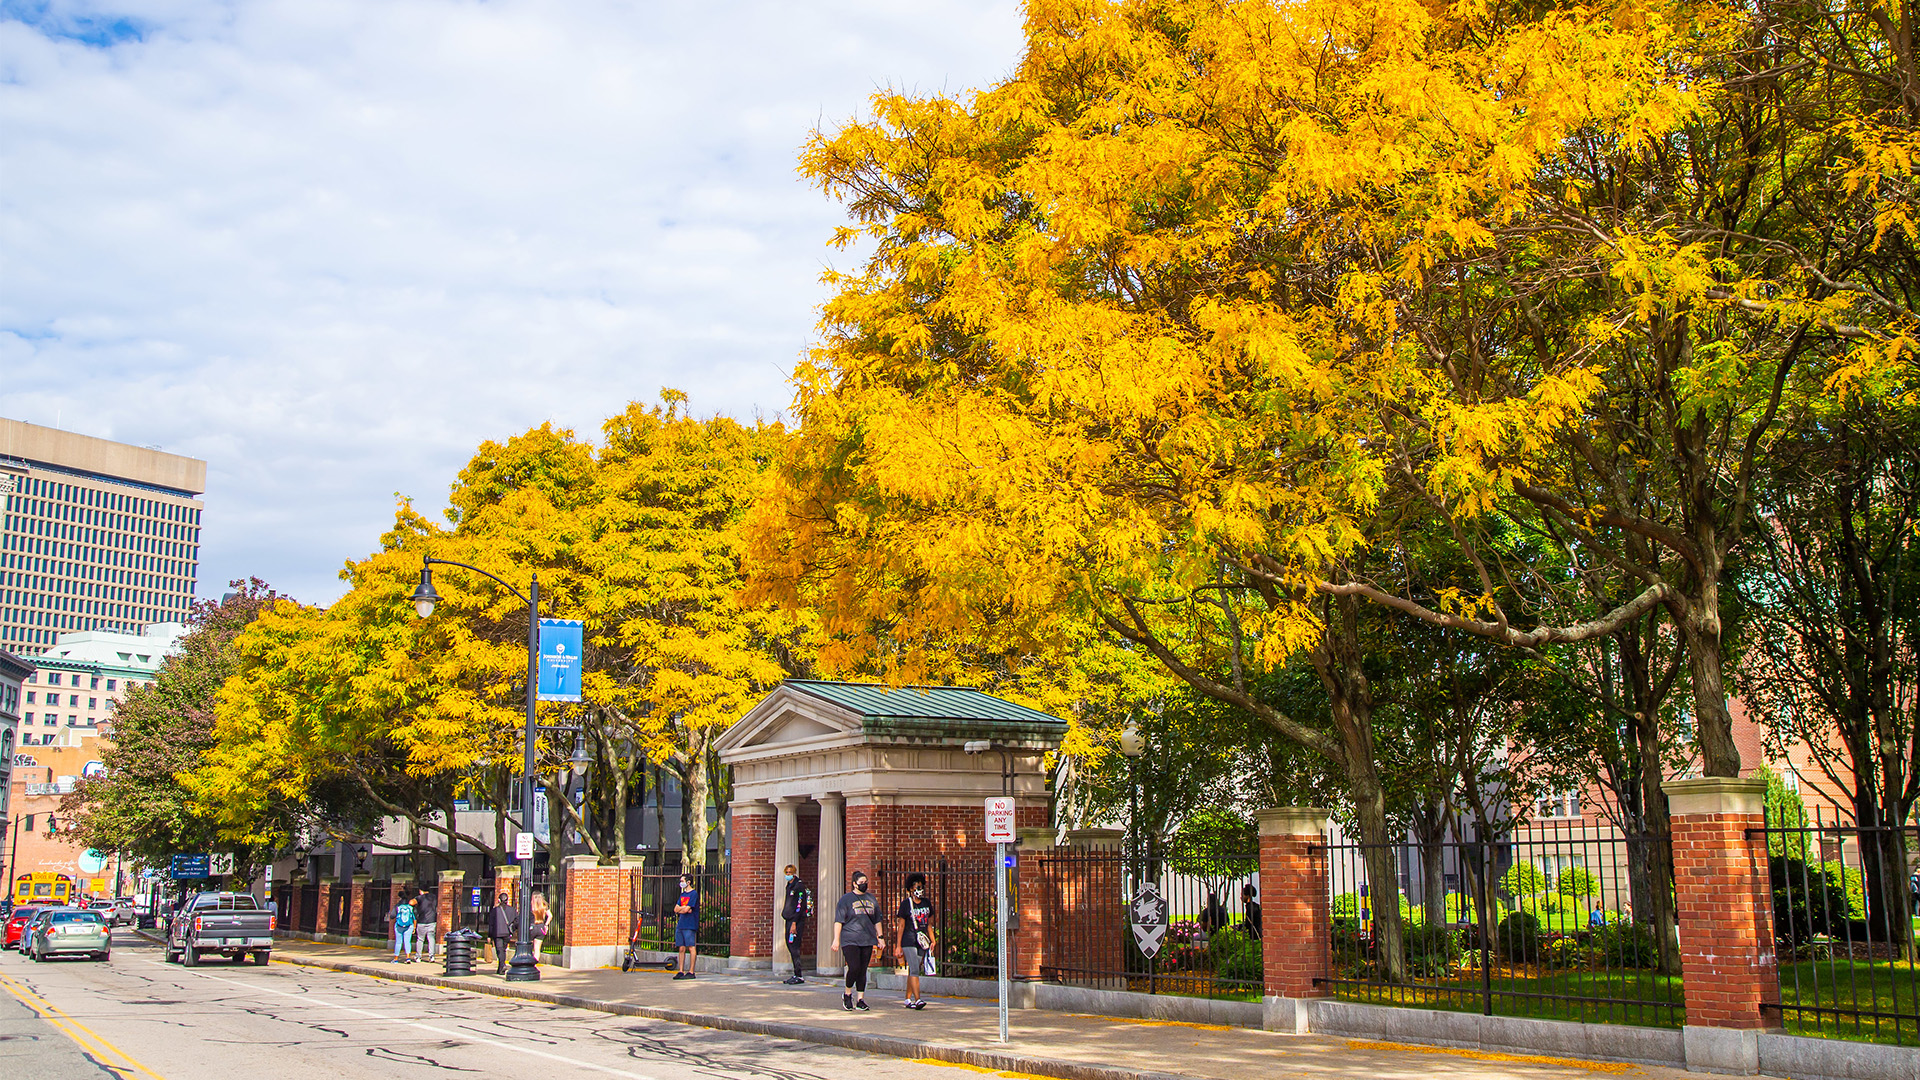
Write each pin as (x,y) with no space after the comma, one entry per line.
(403,918)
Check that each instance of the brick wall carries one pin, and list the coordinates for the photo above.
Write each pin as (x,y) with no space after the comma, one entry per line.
(1726,917)
(751,886)
(1295,922)
(452,889)
(357,907)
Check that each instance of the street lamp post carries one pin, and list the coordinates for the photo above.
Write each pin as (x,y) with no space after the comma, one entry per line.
(524,967)
(1132,746)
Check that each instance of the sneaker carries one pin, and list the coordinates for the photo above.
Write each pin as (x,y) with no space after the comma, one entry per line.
(846,1002)
(919,1004)
(681,975)
(861,1004)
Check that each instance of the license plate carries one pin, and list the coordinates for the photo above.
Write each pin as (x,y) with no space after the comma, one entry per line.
(260,941)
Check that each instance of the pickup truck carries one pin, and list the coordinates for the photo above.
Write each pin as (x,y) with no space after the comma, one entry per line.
(220,924)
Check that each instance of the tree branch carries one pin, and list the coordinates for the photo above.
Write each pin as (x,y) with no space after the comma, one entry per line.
(1507,635)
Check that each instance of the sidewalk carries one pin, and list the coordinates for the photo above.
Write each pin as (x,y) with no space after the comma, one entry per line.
(963,1031)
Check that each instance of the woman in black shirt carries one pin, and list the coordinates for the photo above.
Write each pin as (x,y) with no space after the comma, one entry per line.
(916,936)
(857,931)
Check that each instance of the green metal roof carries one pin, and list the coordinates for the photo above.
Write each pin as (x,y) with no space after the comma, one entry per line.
(914,706)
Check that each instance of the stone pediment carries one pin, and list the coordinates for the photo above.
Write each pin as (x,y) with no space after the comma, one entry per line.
(787,721)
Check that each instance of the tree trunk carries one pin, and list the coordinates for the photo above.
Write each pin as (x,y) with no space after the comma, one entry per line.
(1430,828)
(693,798)
(1713,723)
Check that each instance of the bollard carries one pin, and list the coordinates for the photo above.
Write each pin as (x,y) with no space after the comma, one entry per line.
(459,952)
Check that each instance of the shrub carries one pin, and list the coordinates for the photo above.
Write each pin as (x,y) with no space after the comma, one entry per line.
(1624,945)
(1576,881)
(1237,956)
(1562,951)
(1432,950)
(1807,902)
(1853,882)
(973,941)
(1523,879)
(1517,938)
(1346,906)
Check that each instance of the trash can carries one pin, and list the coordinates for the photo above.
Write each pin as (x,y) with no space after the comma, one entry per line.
(459,951)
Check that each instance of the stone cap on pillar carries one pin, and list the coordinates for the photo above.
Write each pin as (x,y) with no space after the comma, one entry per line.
(580,861)
(400,879)
(362,879)
(454,877)
(506,871)
(1034,836)
(1715,795)
(1293,821)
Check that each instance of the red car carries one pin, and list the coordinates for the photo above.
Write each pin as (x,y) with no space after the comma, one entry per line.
(16,923)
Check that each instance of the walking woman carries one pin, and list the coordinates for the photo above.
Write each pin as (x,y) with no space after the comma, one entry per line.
(857,932)
(542,924)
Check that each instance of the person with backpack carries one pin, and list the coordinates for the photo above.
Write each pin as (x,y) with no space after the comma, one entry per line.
(502,922)
(916,937)
(426,923)
(403,919)
(794,911)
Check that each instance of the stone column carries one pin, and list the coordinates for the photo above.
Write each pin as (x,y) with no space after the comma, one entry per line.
(1295,917)
(506,882)
(453,896)
(786,849)
(832,882)
(1725,905)
(750,885)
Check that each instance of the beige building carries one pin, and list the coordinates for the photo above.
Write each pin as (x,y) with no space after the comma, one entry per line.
(96,536)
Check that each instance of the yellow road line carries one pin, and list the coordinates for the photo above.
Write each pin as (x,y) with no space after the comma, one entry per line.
(1154,1023)
(1620,1067)
(976,1068)
(95,1044)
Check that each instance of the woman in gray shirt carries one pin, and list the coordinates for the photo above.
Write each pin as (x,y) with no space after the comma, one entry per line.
(857,931)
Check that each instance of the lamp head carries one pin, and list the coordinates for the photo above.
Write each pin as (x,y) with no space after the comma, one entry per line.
(977,746)
(424,597)
(1131,744)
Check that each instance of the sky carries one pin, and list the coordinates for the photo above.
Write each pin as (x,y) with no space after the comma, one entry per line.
(331,247)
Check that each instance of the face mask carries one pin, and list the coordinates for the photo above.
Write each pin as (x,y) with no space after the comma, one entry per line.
(790,877)
(859,886)
(919,893)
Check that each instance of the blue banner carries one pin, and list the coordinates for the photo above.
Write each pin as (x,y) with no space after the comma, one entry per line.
(191,867)
(560,659)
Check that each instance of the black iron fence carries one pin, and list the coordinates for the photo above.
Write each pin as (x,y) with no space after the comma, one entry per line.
(652,896)
(374,905)
(1542,924)
(966,938)
(339,907)
(473,907)
(1844,901)
(309,908)
(1211,946)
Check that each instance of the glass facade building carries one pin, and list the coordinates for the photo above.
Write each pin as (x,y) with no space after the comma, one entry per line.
(95,536)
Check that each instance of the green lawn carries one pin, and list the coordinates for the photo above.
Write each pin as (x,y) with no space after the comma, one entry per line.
(1884,986)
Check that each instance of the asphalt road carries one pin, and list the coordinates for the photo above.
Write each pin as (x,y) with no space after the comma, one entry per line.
(139,1018)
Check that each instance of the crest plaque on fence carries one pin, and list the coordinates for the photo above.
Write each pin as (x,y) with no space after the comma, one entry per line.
(1147,912)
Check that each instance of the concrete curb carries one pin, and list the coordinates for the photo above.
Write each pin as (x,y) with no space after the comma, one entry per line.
(889,1045)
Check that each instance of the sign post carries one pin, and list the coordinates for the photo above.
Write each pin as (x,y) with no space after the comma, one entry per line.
(1000,833)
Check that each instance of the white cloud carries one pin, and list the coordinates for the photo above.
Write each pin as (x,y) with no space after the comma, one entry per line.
(331,247)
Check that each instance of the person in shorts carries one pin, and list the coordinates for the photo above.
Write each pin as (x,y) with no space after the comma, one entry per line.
(916,937)
(858,930)
(686,926)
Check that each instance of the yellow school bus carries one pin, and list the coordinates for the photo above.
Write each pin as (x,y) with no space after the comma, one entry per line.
(42,888)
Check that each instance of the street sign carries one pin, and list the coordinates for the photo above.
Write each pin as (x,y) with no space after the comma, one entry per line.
(560,649)
(473,899)
(189,867)
(1000,820)
(1147,913)
(523,845)
(220,864)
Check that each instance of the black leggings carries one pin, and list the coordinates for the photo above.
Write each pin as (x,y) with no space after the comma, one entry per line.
(794,926)
(858,957)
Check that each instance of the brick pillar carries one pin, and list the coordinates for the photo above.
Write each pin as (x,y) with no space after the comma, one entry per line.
(1726,919)
(1295,920)
(596,910)
(397,887)
(1032,901)
(750,886)
(453,890)
(357,903)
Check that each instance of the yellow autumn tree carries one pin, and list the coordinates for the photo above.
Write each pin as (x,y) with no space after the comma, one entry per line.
(1208,298)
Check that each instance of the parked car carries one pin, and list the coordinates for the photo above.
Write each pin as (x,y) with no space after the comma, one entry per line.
(228,924)
(68,932)
(17,923)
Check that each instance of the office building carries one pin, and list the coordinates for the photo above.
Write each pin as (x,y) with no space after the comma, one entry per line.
(79,683)
(14,673)
(96,536)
